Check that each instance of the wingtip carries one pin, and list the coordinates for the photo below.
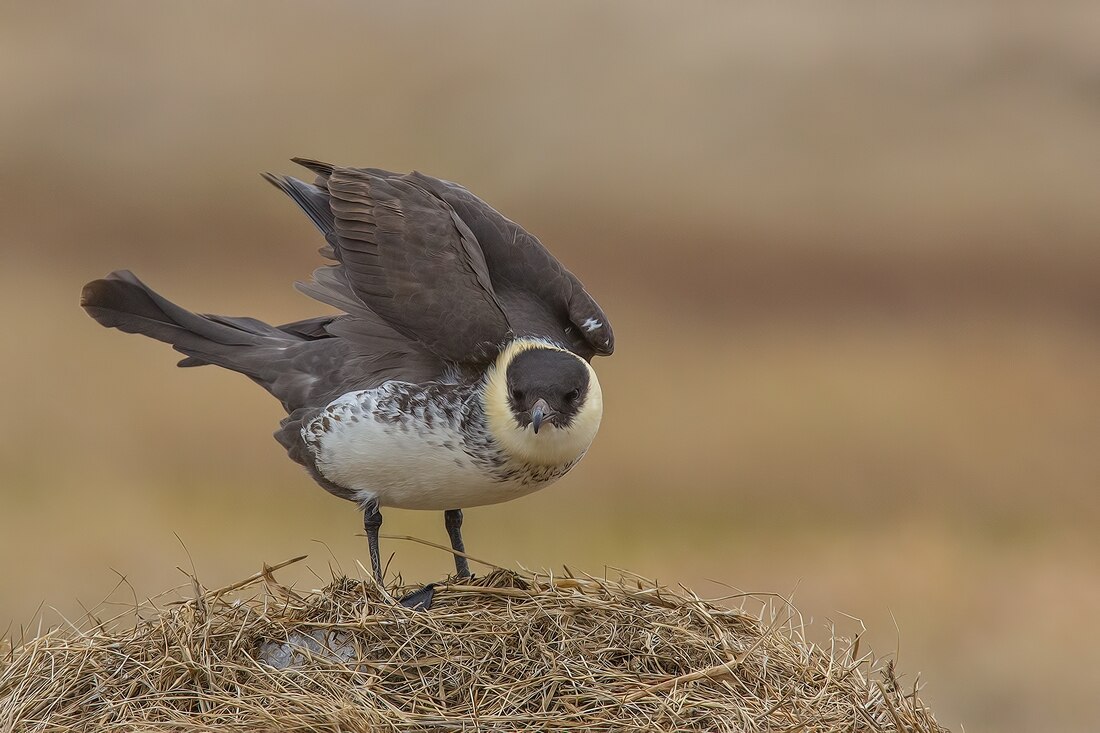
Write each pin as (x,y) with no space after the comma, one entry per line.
(319,167)
(275,180)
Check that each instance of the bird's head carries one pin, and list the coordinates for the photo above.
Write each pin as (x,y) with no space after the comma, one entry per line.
(543,403)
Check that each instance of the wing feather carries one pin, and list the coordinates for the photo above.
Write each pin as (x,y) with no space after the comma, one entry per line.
(541,297)
(415,263)
(439,266)
(405,257)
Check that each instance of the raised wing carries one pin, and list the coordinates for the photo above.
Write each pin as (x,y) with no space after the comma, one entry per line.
(541,297)
(407,256)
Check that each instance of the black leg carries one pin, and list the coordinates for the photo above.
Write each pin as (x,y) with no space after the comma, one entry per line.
(453,519)
(372,522)
(420,600)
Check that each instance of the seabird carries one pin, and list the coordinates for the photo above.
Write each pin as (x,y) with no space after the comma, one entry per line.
(458,373)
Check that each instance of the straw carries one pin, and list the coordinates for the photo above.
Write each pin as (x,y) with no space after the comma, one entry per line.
(505,652)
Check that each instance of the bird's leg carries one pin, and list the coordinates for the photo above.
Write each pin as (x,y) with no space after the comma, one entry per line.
(420,600)
(372,522)
(452,518)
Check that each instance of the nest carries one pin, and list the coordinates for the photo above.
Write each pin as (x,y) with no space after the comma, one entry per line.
(507,651)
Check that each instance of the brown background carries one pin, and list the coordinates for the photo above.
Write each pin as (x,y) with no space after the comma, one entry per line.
(851,251)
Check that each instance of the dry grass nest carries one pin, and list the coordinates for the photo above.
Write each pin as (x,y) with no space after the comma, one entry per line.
(507,651)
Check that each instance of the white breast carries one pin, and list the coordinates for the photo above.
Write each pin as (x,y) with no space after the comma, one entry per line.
(409,461)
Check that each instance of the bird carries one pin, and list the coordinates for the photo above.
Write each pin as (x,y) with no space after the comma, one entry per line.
(457,372)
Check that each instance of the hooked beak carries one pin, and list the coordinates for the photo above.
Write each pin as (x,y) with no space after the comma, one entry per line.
(539,413)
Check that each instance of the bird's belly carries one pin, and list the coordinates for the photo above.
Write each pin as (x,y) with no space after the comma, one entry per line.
(404,463)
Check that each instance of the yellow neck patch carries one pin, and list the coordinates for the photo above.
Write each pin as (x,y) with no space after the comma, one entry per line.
(553,446)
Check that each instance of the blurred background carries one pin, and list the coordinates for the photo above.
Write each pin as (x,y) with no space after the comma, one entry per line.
(851,253)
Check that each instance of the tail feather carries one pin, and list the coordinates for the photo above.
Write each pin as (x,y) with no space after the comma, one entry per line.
(309,329)
(124,302)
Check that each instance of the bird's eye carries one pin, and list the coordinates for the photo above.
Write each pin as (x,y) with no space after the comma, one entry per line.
(517,395)
(572,395)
